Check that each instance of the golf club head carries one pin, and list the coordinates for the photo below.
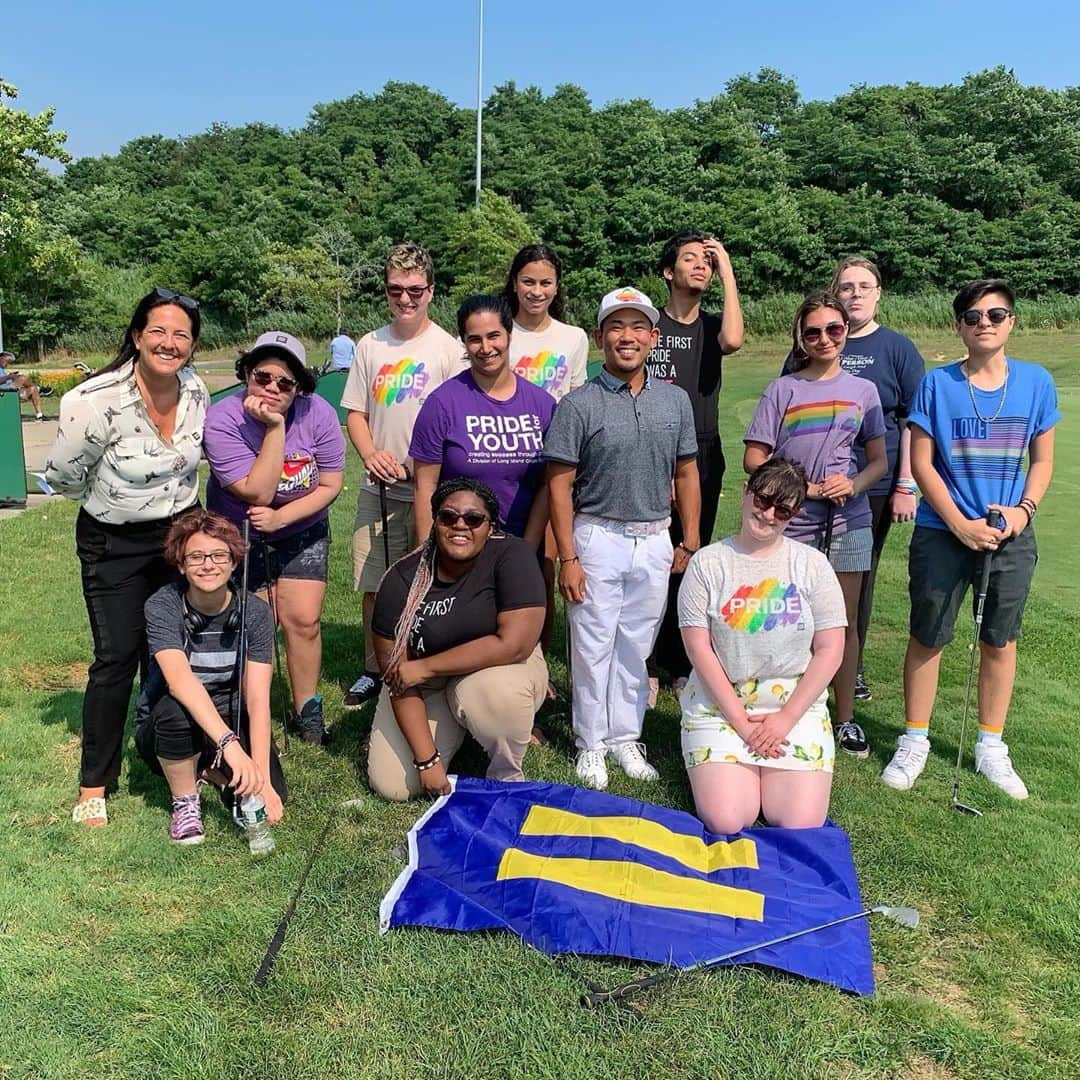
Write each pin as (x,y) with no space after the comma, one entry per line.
(905,916)
(351,805)
(964,808)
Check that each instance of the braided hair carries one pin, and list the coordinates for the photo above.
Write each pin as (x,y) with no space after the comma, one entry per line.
(425,566)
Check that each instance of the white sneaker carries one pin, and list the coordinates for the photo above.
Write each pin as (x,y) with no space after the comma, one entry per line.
(907,763)
(630,757)
(992,760)
(591,770)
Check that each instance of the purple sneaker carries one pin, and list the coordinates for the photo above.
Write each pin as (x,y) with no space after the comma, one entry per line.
(187,827)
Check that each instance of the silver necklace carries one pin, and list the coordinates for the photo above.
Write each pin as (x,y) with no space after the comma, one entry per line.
(971,394)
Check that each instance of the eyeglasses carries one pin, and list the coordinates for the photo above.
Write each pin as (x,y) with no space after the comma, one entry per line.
(265,378)
(415,292)
(221,557)
(835,332)
(849,288)
(996,315)
(176,298)
(781,511)
(473,518)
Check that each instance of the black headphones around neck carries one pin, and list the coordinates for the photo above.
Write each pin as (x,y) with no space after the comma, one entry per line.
(195,622)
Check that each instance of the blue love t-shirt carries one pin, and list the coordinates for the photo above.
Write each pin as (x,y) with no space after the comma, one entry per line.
(499,443)
(979,452)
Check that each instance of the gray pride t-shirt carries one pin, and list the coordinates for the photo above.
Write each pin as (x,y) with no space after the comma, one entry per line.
(761,614)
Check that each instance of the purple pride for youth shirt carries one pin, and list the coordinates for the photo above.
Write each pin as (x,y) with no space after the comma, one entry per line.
(496,442)
(232,440)
(819,423)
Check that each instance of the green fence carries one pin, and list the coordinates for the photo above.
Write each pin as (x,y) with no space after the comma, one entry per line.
(12,459)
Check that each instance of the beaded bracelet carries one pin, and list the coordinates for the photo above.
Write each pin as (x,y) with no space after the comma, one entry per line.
(224,741)
(423,766)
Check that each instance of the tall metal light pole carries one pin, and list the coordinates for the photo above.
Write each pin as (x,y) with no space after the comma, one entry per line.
(479,99)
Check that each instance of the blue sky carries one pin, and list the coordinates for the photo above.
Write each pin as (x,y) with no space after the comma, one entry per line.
(116,69)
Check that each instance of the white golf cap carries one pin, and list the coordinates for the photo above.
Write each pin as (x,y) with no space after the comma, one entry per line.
(627,297)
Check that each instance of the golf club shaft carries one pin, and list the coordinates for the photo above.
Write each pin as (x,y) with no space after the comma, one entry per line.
(595,998)
(980,604)
(830,520)
(241,634)
(384,513)
(278,939)
(274,641)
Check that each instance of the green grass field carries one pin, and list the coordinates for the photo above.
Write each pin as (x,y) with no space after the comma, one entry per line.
(124,956)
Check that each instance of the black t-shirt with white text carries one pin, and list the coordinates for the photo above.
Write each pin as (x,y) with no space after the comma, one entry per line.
(689,355)
(505,577)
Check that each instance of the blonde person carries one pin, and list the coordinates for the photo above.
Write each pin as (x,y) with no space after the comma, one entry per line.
(457,630)
(127,451)
(819,416)
(762,619)
(394,370)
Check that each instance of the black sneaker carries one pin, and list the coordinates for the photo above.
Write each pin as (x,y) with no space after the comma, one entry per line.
(852,739)
(308,723)
(862,691)
(362,691)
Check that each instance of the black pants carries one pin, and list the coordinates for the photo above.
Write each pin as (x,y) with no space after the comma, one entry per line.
(121,566)
(668,652)
(170,732)
(881,522)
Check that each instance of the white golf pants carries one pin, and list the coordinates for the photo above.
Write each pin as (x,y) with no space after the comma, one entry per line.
(612,631)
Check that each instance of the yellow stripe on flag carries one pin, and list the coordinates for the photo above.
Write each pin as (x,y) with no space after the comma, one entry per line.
(691,851)
(635,884)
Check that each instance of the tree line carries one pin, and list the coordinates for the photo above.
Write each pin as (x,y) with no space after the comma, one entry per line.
(938,184)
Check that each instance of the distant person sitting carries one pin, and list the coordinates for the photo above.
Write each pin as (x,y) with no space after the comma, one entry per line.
(342,348)
(456,630)
(16,381)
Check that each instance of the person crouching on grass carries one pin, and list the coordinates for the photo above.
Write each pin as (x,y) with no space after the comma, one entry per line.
(971,425)
(762,618)
(457,636)
(186,716)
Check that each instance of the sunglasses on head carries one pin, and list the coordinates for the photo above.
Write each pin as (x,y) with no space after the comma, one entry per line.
(996,315)
(473,518)
(265,378)
(176,298)
(781,511)
(835,332)
(414,291)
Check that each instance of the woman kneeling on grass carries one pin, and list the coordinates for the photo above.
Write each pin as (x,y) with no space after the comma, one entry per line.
(457,628)
(762,619)
(186,717)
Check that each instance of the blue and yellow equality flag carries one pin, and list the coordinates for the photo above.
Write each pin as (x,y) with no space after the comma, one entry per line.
(577,871)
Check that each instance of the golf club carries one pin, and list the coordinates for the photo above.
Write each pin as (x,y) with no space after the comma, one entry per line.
(278,938)
(993,519)
(277,653)
(830,520)
(384,513)
(905,916)
(241,633)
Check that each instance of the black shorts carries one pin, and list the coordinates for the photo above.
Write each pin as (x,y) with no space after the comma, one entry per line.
(303,556)
(940,569)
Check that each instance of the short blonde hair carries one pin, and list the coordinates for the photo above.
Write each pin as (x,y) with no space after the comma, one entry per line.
(409,258)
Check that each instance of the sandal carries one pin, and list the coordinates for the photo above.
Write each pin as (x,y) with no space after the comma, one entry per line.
(90,812)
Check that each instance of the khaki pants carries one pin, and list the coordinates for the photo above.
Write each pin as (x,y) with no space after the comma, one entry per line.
(496,706)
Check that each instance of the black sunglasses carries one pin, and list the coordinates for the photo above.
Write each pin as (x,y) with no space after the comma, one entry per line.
(449,518)
(996,315)
(835,331)
(781,511)
(176,298)
(265,378)
(414,291)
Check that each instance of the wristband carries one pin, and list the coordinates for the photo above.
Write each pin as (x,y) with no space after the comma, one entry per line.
(573,558)
(222,743)
(689,551)
(905,485)
(423,766)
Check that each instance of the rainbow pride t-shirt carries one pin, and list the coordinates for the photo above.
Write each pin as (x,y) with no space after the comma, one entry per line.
(390,379)
(761,613)
(982,460)
(818,423)
(555,359)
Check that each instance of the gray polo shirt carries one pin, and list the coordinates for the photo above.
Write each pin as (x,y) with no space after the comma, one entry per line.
(624,447)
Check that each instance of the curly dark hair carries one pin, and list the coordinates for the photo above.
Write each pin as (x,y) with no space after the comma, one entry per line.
(202,521)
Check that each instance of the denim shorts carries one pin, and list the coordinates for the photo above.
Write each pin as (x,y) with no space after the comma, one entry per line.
(303,556)
(851,552)
(940,569)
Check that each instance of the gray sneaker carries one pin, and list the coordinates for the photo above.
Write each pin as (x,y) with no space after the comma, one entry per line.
(308,723)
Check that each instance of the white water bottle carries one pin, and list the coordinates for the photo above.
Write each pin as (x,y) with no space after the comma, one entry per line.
(253,818)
